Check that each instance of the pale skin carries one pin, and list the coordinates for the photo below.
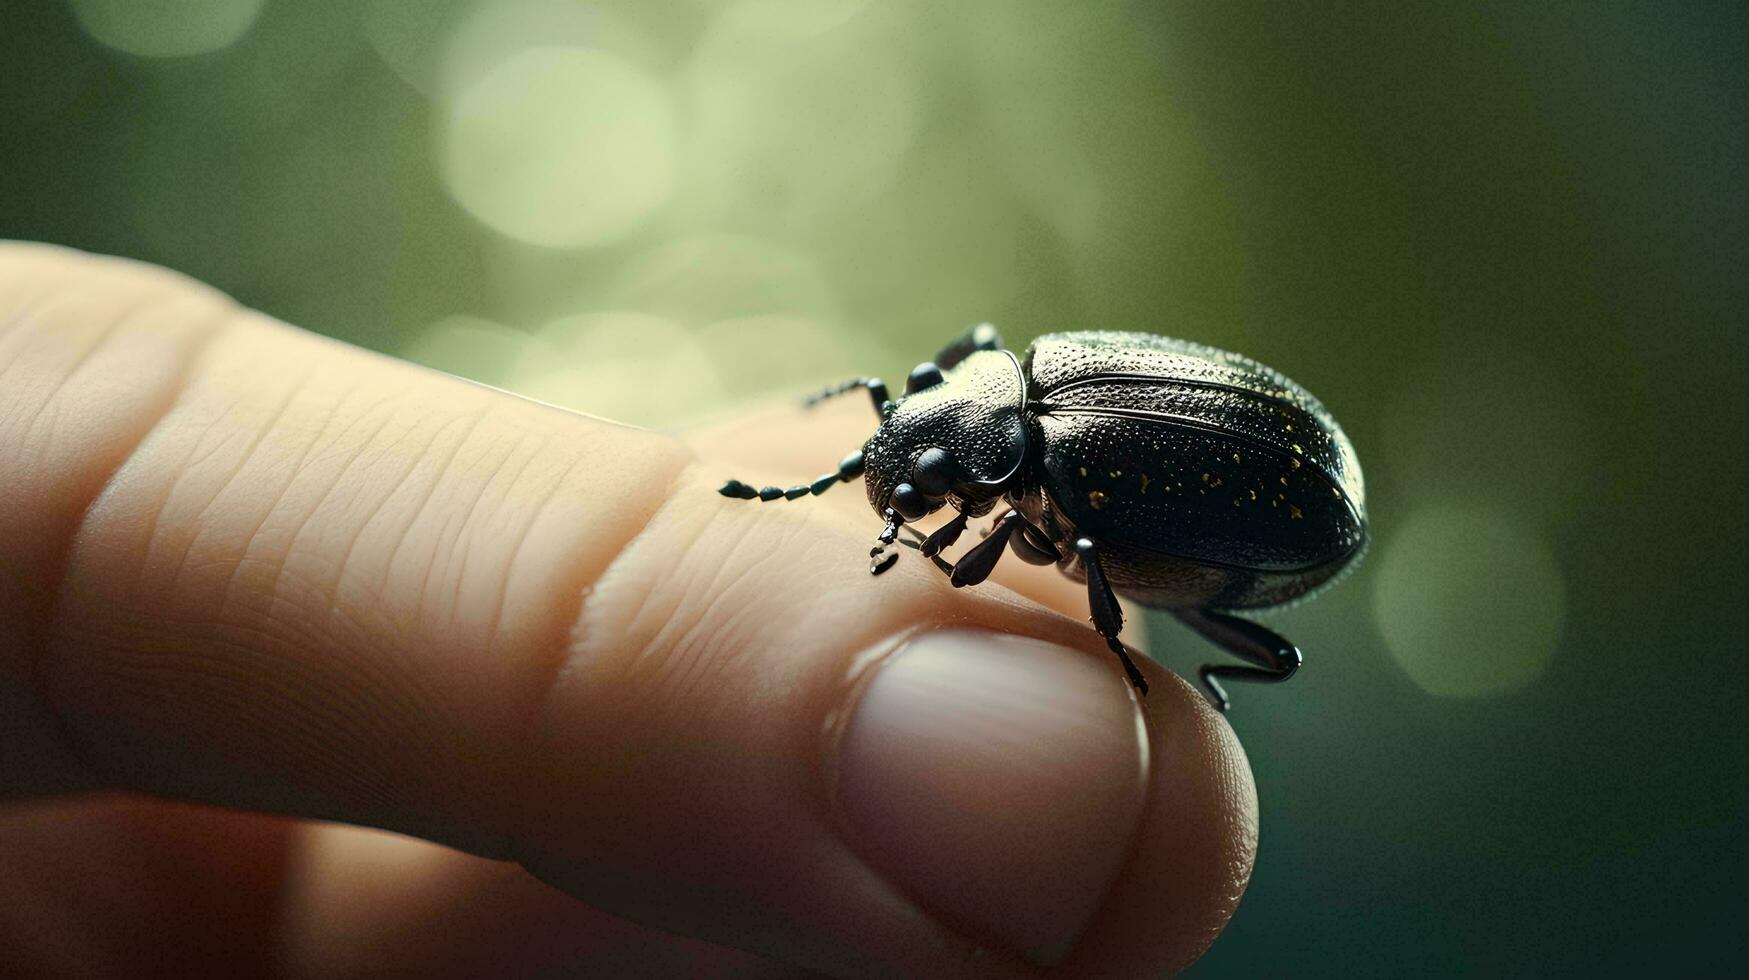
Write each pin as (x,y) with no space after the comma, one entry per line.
(253,580)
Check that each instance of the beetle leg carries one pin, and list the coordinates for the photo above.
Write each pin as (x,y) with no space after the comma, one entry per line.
(981,337)
(944,536)
(876,388)
(1107,614)
(977,563)
(920,545)
(1275,659)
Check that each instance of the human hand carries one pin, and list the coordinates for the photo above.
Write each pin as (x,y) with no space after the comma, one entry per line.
(246,567)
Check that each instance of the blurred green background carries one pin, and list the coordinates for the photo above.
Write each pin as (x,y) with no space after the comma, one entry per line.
(1504,242)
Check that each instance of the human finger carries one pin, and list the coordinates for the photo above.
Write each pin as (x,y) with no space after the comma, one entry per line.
(128,885)
(253,567)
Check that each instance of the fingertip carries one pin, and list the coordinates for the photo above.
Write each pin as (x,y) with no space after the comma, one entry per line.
(732,634)
(1194,853)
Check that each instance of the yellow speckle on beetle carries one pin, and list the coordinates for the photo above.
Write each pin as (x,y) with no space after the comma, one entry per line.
(1144,483)
(1096,500)
(1253,494)
(1083,471)
(1298,448)
(1293,464)
(1114,474)
(1205,478)
(1293,512)
(1236,458)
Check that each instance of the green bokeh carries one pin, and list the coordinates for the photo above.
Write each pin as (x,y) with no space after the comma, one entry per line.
(1504,242)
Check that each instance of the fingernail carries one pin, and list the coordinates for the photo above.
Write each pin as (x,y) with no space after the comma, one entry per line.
(998,781)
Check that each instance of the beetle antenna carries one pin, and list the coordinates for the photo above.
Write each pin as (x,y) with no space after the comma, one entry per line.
(849,468)
(876,388)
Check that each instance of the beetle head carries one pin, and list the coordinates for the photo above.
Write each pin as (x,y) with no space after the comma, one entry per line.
(956,437)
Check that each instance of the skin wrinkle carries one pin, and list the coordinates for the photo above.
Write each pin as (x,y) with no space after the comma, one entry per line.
(187,466)
(688,653)
(192,668)
(460,544)
(426,694)
(791,536)
(297,469)
(572,623)
(637,612)
(461,548)
(336,707)
(706,668)
(284,564)
(260,437)
(577,650)
(237,661)
(14,340)
(469,423)
(294,634)
(392,685)
(502,488)
(176,396)
(381,411)
(72,371)
(686,663)
(298,629)
(412,691)
(381,679)
(64,735)
(537,512)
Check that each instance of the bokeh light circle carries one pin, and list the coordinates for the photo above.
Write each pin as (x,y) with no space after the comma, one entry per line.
(799,112)
(1469,601)
(711,277)
(468,347)
(623,365)
(561,147)
(409,37)
(1505,432)
(489,32)
(166,28)
(777,352)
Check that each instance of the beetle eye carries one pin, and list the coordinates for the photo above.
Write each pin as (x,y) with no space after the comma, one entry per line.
(936,470)
(925,375)
(910,502)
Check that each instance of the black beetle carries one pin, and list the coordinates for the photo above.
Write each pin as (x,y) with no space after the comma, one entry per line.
(1182,476)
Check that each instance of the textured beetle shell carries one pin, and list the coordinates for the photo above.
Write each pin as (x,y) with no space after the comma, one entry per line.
(1207,478)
